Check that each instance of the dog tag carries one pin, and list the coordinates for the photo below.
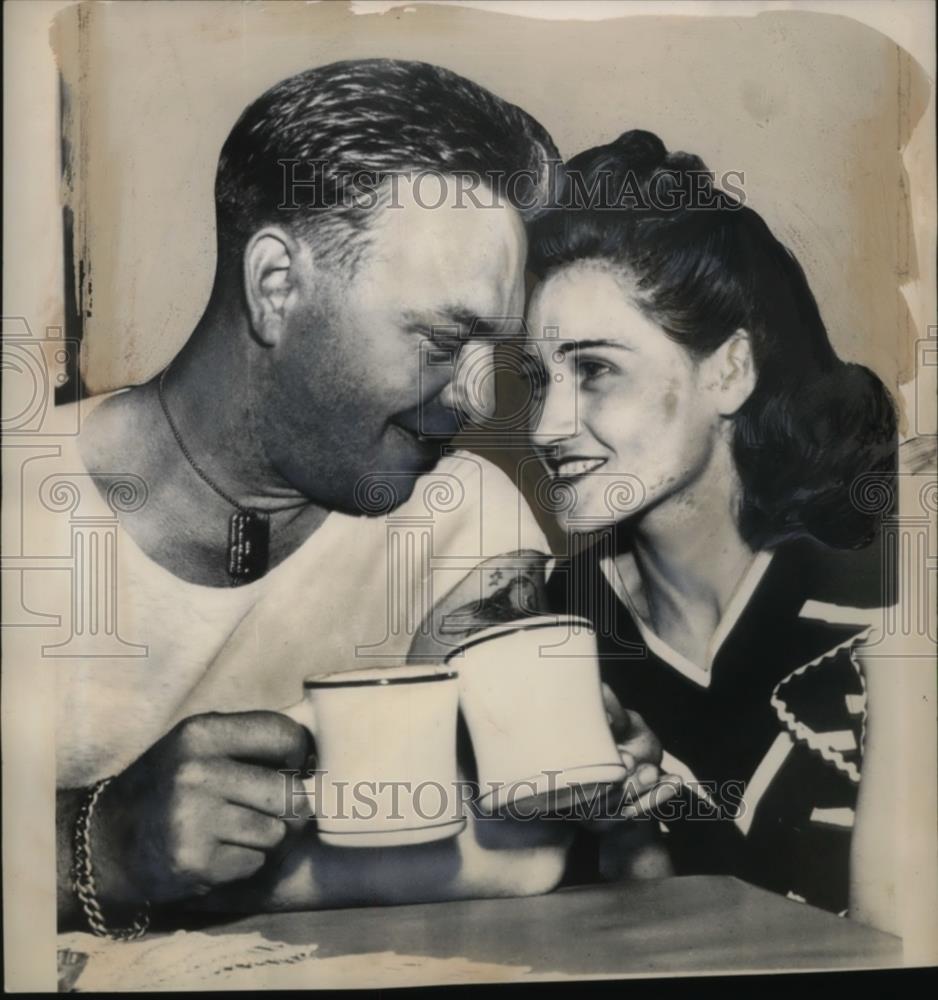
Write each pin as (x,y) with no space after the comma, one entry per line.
(248,546)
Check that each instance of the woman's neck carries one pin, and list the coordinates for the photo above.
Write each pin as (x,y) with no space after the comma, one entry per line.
(690,558)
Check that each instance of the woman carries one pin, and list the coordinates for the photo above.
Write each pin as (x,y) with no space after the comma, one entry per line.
(708,454)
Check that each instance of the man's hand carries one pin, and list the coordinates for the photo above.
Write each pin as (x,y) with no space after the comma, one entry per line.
(202,807)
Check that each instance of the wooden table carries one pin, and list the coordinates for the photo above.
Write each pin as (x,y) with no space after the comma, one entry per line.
(676,925)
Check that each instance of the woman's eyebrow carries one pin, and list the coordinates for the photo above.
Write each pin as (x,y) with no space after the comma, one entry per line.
(572,346)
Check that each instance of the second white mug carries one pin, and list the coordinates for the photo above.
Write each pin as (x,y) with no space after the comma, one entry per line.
(531,695)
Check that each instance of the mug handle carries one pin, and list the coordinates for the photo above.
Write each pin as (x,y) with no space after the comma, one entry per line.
(302,712)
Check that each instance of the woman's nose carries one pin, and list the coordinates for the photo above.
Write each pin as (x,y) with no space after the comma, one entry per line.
(558,416)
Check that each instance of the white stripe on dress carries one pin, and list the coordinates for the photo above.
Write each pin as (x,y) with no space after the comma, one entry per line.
(840,614)
(842,816)
(761,779)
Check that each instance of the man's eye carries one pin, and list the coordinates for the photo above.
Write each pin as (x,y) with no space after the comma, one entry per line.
(450,340)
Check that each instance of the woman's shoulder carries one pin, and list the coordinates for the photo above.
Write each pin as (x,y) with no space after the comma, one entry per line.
(839,587)
(852,585)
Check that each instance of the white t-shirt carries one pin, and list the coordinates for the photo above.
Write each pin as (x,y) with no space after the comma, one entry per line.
(136,648)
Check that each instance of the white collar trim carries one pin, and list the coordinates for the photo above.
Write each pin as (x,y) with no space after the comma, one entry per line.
(738,603)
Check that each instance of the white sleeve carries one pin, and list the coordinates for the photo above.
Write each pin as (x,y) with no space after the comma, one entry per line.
(477,512)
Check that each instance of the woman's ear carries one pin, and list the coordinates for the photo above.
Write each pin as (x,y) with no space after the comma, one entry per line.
(734,372)
(270,261)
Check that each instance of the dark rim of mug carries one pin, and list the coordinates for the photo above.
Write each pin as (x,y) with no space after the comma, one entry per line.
(519,625)
(321,682)
(394,830)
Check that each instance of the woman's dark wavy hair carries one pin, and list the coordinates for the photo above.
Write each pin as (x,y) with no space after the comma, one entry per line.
(817,435)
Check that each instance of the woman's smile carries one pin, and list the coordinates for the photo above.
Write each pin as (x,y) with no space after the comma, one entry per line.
(572,466)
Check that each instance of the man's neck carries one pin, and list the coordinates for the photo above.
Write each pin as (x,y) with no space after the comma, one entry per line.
(207,395)
(184,524)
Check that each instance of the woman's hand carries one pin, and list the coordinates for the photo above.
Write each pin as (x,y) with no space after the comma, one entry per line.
(634,850)
(646,787)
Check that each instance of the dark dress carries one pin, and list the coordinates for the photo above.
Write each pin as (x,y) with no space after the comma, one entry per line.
(770,741)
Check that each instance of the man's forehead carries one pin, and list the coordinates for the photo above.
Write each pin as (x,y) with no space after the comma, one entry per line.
(440,211)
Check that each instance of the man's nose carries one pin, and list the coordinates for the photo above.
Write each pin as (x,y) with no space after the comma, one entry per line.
(470,390)
(558,415)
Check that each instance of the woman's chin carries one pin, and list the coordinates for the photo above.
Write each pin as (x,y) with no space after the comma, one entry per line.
(584,521)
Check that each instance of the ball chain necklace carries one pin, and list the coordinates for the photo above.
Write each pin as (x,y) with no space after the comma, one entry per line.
(248,528)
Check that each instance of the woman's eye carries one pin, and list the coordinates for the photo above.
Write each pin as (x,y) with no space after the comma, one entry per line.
(591,370)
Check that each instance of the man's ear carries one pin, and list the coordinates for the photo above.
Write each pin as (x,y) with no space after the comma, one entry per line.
(734,372)
(270,276)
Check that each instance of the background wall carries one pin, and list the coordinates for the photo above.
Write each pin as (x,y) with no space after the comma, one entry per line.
(838,101)
(813,108)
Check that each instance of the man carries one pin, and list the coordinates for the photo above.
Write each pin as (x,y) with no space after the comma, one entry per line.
(316,376)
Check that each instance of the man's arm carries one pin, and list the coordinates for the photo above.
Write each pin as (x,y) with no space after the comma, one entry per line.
(501,589)
(491,858)
(67,802)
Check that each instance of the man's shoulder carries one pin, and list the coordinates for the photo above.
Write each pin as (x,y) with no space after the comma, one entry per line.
(71,418)
(480,476)
(54,475)
(74,429)
(470,496)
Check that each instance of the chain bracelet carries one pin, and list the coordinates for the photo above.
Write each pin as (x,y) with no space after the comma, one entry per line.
(83,875)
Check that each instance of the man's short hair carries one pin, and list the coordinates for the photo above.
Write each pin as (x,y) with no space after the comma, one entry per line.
(350,125)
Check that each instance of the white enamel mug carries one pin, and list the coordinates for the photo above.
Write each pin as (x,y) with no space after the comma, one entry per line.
(531,695)
(386,748)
